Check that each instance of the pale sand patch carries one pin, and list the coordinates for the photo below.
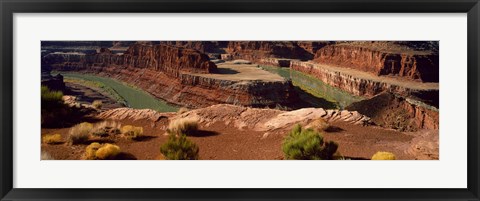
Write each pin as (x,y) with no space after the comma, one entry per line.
(242,72)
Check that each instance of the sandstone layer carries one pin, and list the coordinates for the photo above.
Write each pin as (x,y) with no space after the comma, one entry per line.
(392,111)
(244,118)
(382,60)
(364,84)
(256,50)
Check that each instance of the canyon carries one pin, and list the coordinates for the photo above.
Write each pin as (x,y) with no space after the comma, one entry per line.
(177,75)
(246,96)
(182,72)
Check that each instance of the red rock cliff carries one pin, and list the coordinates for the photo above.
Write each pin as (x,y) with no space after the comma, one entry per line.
(392,111)
(256,50)
(168,59)
(384,60)
(174,74)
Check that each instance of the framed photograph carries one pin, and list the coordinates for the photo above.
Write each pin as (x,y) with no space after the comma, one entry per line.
(239,100)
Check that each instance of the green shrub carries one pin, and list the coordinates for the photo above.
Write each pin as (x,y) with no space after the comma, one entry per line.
(179,148)
(183,126)
(50,98)
(307,144)
(80,133)
(382,155)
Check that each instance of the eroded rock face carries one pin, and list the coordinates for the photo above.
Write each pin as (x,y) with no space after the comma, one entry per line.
(174,74)
(275,62)
(392,111)
(411,64)
(256,50)
(195,91)
(269,119)
(313,46)
(202,46)
(359,86)
(167,59)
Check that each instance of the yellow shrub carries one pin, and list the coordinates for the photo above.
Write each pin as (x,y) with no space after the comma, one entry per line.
(79,133)
(90,151)
(107,151)
(132,132)
(382,155)
(52,139)
(97,151)
(183,126)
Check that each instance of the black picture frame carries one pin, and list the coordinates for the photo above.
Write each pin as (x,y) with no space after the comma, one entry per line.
(9,7)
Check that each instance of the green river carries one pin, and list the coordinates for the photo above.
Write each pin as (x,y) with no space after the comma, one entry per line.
(134,97)
(313,90)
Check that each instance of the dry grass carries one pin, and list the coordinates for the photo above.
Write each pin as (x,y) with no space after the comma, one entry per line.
(132,132)
(80,133)
(382,155)
(106,128)
(97,104)
(319,125)
(52,139)
(185,126)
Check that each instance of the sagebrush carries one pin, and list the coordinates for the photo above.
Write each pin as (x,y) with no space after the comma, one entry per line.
(307,144)
(106,128)
(132,132)
(185,126)
(79,133)
(179,148)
